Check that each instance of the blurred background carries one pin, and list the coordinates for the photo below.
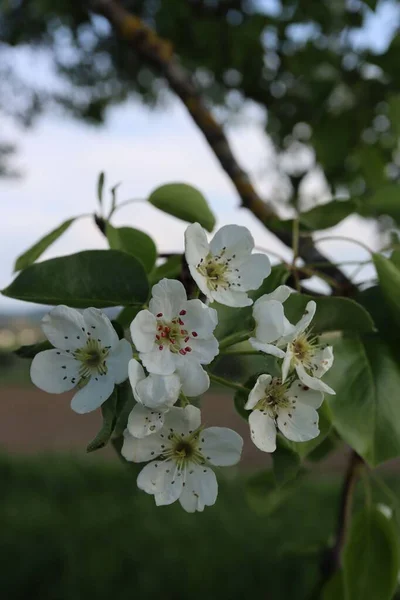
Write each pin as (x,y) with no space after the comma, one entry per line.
(309,97)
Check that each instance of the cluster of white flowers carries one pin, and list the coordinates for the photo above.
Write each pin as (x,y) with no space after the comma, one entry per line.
(172,340)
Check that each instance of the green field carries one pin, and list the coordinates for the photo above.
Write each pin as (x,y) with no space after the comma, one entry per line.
(72,530)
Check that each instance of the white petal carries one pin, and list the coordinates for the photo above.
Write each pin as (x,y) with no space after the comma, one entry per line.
(199,318)
(235,238)
(64,328)
(136,373)
(201,488)
(322,361)
(253,271)
(221,446)
(157,391)
(267,348)
(150,478)
(201,281)
(298,423)
(281,294)
(195,380)
(168,297)
(183,420)
(118,360)
(269,317)
(55,371)
(144,421)
(262,431)
(98,326)
(196,245)
(204,351)
(160,362)
(90,397)
(143,331)
(301,393)
(287,363)
(304,321)
(258,391)
(141,450)
(229,297)
(312,382)
(170,486)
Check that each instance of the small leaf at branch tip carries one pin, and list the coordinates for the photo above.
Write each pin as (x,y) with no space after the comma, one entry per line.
(100,186)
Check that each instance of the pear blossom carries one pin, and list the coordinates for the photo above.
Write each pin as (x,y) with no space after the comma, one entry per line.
(289,407)
(225,269)
(154,394)
(272,327)
(301,351)
(182,453)
(87,354)
(176,336)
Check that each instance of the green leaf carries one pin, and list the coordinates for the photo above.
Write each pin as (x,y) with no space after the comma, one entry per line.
(366,410)
(96,278)
(384,201)
(228,317)
(171,269)
(333,314)
(127,314)
(334,589)
(108,411)
(33,349)
(328,445)
(30,256)
(263,495)
(328,215)
(134,242)
(395,258)
(100,186)
(286,462)
(371,558)
(389,279)
(303,449)
(184,202)
(394,112)
(125,403)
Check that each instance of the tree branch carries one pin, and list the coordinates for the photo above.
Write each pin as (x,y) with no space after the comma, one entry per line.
(332,560)
(159,54)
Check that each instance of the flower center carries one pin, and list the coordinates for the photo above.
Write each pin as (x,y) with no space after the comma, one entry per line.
(173,335)
(275,398)
(217,270)
(304,348)
(92,356)
(185,449)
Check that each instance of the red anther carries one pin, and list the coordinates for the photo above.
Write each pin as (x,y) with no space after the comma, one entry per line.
(172,341)
(159,315)
(183,312)
(167,329)
(183,332)
(157,337)
(181,322)
(160,347)
(188,349)
(187,339)
(159,328)
(181,351)
(163,335)
(194,334)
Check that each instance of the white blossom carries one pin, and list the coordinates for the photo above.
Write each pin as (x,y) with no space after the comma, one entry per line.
(154,394)
(225,269)
(182,454)
(176,335)
(300,351)
(289,407)
(87,354)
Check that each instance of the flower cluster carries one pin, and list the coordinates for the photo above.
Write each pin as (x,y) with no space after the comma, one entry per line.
(173,341)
